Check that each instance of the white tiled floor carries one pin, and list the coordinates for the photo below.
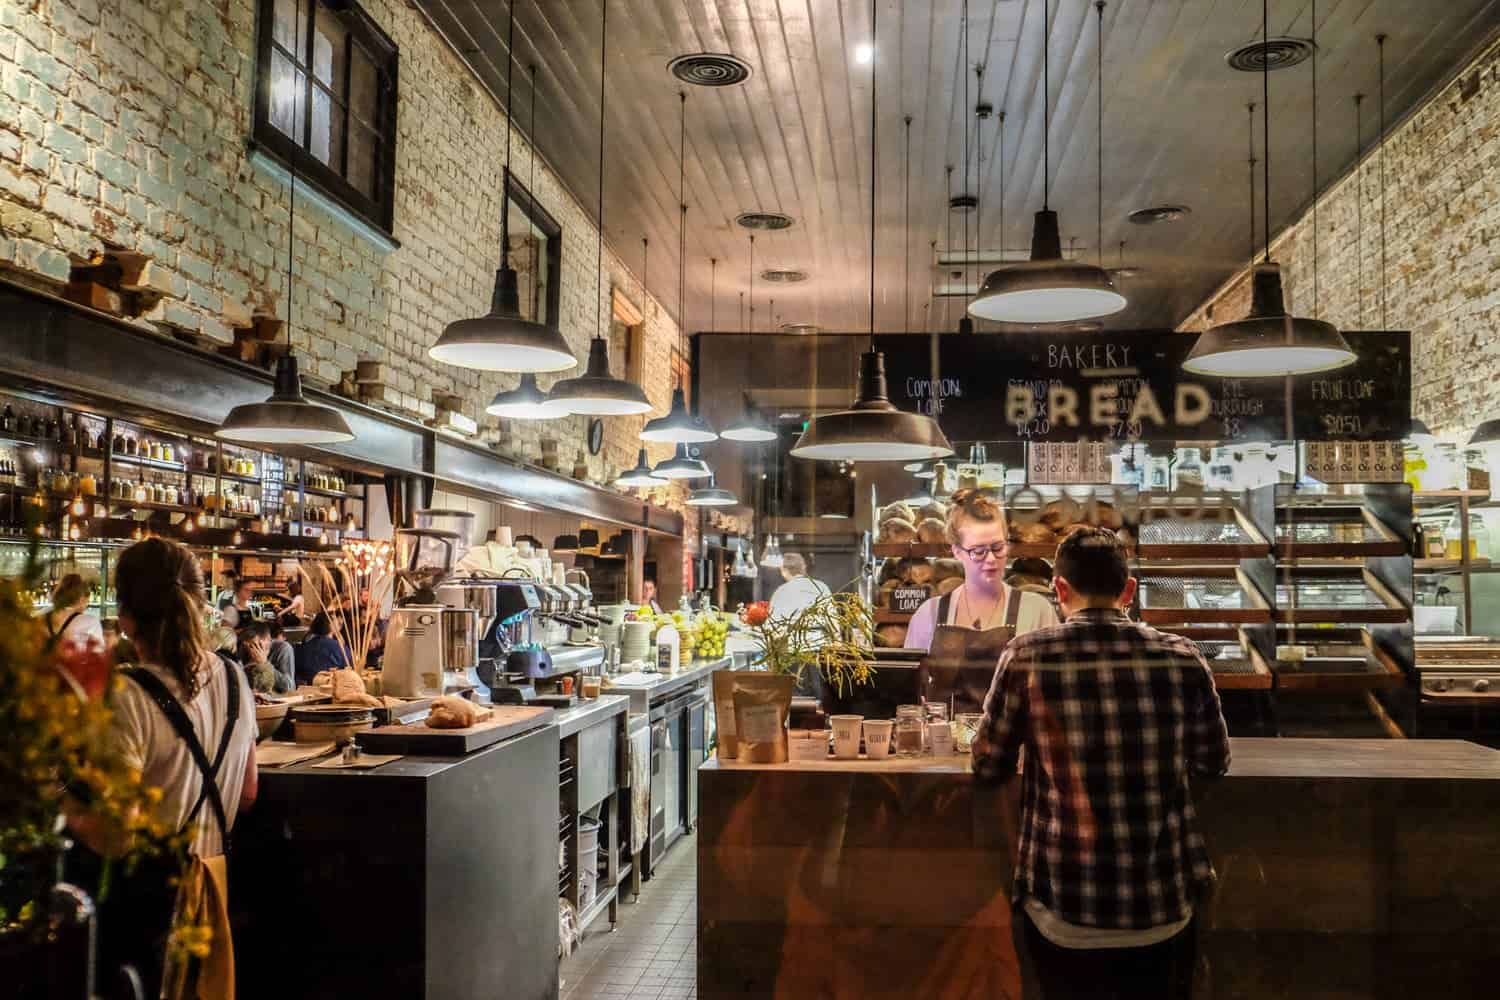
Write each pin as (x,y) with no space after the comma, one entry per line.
(653,952)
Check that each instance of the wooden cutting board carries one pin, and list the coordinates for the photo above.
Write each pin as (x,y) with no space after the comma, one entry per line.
(417,738)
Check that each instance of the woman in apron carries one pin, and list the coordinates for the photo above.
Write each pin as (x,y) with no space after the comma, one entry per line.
(965,631)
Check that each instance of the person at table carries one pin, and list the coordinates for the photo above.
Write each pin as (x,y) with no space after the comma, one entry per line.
(69,621)
(1117,720)
(291,615)
(320,651)
(269,660)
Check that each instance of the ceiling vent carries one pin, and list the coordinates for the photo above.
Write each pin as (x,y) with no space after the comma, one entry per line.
(963,203)
(1158,214)
(1274,53)
(783,275)
(710,69)
(764,220)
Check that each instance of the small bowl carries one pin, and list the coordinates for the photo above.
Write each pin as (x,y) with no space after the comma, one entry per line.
(320,724)
(268,719)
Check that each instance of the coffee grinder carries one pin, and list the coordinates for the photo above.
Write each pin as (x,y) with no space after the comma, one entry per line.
(424,638)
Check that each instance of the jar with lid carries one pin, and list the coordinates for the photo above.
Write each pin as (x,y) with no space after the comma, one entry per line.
(911,727)
(170,494)
(167,453)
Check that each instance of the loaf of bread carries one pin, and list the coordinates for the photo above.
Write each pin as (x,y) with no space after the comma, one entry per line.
(920,574)
(890,636)
(1105,516)
(931,531)
(897,531)
(349,689)
(900,512)
(1035,534)
(451,712)
(933,510)
(949,585)
(947,569)
(883,599)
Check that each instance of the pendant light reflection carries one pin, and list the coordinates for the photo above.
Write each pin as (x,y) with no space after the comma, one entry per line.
(711,496)
(771,557)
(682,466)
(679,425)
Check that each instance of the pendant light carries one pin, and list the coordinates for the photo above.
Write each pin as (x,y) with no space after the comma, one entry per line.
(872,430)
(771,557)
(526,401)
(596,392)
(682,466)
(965,322)
(1047,288)
(503,340)
(749,427)
(711,496)
(680,424)
(286,417)
(1268,342)
(641,477)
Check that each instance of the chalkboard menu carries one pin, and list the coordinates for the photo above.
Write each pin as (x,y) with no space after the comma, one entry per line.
(1131,386)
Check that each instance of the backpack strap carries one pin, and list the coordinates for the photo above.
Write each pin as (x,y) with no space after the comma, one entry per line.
(1013,607)
(177,716)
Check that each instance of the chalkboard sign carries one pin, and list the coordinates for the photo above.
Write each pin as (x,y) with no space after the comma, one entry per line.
(1127,386)
(908,599)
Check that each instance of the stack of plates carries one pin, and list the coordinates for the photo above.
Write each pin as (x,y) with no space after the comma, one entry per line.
(635,642)
(609,634)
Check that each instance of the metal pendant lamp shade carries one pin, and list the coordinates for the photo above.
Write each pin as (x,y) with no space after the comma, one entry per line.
(749,427)
(679,425)
(1047,288)
(525,402)
(502,341)
(1268,342)
(711,496)
(640,477)
(771,557)
(287,417)
(872,430)
(682,466)
(1486,435)
(596,392)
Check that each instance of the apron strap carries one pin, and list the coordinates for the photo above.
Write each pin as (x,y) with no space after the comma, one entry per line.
(945,604)
(1013,607)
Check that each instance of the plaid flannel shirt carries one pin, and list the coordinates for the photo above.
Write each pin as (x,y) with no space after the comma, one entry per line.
(1114,716)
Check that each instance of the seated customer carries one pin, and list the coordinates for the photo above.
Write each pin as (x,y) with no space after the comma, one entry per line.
(320,650)
(269,661)
(1116,719)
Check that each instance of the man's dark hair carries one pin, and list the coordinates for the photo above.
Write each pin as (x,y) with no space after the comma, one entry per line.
(259,630)
(273,628)
(1093,562)
(321,624)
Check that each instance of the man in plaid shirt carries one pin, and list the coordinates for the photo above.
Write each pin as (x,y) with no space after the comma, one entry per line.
(1115,717)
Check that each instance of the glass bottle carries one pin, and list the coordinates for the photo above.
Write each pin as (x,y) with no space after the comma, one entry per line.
(1479,538)
(8,419)
(1453,539)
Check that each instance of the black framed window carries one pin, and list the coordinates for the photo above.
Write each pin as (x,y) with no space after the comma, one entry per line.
(325,100)
(542,294)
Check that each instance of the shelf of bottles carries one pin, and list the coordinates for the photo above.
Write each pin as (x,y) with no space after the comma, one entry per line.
(75,476)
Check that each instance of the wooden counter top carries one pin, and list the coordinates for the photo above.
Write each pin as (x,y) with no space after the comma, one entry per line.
(1250,757)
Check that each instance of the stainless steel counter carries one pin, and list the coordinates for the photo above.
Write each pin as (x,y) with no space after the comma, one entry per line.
(643,692)
(569,658)
(589,713)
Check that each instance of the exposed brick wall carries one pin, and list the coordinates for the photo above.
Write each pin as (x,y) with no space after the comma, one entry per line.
(1442,274)
(127,122)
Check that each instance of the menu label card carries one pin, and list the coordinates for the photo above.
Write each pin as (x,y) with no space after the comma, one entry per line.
(908,599)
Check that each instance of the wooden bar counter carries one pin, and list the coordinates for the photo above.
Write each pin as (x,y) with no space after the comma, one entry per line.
(1347,869)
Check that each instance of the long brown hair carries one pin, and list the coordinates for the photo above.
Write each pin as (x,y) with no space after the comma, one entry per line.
(160,585)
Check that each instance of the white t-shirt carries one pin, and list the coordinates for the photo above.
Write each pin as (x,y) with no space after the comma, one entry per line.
(1035,612)
(796,595)
(82,630)
(147,741)
(1067,935)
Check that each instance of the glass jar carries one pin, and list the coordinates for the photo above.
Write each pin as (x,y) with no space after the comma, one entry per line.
(910,730)
(167,453)
(1479,538)
(1453,546)
(966,730)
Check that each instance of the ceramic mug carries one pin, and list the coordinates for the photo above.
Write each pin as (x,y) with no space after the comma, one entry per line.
(846,736)
(878,738)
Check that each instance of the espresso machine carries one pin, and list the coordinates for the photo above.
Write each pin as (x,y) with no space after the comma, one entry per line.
(426,639)
(517,658)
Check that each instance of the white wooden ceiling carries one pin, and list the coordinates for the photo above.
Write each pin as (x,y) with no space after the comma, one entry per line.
(795,138)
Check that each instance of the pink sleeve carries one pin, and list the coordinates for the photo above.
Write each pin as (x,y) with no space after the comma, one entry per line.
(923,624)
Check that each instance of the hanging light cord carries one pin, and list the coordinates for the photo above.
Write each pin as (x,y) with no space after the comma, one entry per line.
(1265,118)
(291,235)
(713,283)
(964,117)
(645,270)
(1001,151)
(906,242)
(1046,106)
(978,170)
(603,61)
(948,210)
(1250,110)
(682,234)
(752,282)
(510,103)
(1380,43)
(874,34)
(1359,204)
(1099,6)
(1316,311)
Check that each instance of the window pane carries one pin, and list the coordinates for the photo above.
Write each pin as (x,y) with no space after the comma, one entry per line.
(327,140)
(287,96)
(364,87)
(289,25)
(364,155)
(329,46)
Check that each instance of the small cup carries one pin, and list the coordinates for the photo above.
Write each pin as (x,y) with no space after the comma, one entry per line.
(846,736)
(940,738)
(878,738)
(504,537)
(590,688)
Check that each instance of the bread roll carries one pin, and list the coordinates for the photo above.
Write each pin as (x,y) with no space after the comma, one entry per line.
(349,689)
(883,599)
(921,573)
(890,636)
(897,531)
(451,712)
(1105,516)
(947,569)
(892,569)
(1036,534)
(931,531)
(934,510)
(949,585)
(898,511)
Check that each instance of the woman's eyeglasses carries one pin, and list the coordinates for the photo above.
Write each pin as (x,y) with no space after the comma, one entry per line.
(978,552)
